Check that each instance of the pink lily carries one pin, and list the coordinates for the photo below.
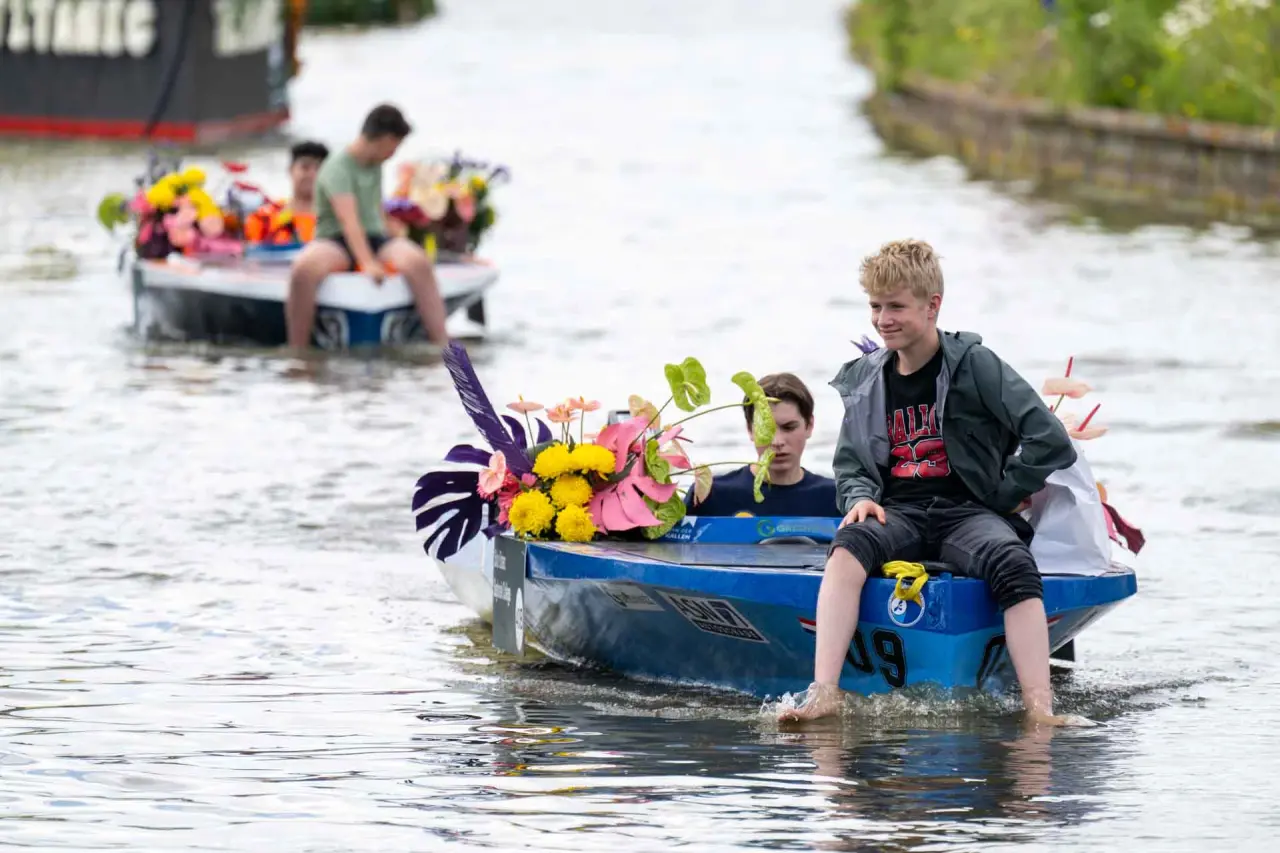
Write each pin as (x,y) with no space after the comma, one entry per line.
(582,404)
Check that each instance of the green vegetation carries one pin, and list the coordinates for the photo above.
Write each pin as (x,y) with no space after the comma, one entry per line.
(331,12)
(1207,59)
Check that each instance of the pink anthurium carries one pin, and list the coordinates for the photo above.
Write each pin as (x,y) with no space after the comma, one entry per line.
(1082,431)
(524,406)
(560,414)
(618,438)
(1062,386)
(621,505)
(492,478)
(669,448)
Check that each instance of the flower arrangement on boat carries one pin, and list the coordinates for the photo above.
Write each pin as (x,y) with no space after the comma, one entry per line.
(574,488)
(446,204)
(174,213)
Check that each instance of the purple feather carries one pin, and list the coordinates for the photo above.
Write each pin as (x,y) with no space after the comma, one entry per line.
(468,454)
(477,404)
(866,345)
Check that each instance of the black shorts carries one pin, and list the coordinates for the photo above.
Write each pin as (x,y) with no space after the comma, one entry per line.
(976,541)
(376,242)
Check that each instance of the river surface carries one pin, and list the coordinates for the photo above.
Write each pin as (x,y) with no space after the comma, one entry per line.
(217,628)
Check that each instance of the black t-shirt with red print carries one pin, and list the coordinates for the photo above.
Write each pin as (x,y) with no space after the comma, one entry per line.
(918,468)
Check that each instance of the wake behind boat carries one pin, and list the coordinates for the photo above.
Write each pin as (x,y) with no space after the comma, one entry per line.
(616,576)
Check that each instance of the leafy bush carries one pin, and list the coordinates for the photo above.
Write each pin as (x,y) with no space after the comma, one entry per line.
(1211,59)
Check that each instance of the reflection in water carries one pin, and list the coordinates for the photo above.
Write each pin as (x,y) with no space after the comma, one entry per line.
(217,629)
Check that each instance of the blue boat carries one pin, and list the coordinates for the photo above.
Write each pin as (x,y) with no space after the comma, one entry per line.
(242,301)
(729,603)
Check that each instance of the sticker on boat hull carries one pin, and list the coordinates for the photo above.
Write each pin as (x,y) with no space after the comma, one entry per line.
(629,597)
(904,613)
(715,616)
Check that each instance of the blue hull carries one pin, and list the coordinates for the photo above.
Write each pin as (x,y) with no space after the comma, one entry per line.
(710,606)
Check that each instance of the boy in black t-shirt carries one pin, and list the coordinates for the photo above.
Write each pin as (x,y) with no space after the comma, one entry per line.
(925,469)
(791,490)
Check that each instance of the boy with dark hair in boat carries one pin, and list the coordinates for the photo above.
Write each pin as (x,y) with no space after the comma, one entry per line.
(305,159)
(925,469)
(352,230)
(791,490)
(292,221)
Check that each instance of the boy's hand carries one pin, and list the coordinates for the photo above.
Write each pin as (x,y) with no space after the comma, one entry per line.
(862,510)
(374,270)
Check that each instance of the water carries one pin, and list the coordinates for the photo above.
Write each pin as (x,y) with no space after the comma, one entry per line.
(217,626)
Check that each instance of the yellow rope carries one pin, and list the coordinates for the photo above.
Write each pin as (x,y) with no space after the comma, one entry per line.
(904,571)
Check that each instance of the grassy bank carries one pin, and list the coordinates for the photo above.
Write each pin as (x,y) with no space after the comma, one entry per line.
(1217,60)
(334,12)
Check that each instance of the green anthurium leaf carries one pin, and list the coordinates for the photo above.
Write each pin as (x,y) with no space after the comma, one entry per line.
(762,474)
(763,425)
(111,211)
(657,467)
(688,383)
(669,513)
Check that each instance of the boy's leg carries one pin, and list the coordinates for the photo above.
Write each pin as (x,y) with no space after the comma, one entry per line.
(412,263)
(984,545)
(857,549)
(316,262)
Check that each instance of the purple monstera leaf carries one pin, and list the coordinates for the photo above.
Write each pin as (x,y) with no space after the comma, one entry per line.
(448,508)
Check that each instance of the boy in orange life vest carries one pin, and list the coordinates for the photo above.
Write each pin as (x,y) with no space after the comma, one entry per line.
(304,163)
(295,220)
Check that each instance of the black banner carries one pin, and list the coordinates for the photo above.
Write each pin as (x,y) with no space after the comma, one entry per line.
(509,556)
(150,61)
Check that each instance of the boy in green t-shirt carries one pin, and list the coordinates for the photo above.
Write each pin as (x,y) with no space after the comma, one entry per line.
(351,230)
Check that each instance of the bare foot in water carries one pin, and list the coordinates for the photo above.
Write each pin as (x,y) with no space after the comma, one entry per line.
(821,700)
(1040,718)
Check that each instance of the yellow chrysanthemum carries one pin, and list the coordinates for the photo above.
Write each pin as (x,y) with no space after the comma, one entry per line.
(193,177)
(161,197)
(531,513)
(589,458)
(553,462)
(574,524)
(570,490)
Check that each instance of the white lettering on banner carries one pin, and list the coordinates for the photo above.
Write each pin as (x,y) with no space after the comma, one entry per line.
(240,28)
(79,27)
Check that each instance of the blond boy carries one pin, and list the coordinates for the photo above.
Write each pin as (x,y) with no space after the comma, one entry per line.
(925,469)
